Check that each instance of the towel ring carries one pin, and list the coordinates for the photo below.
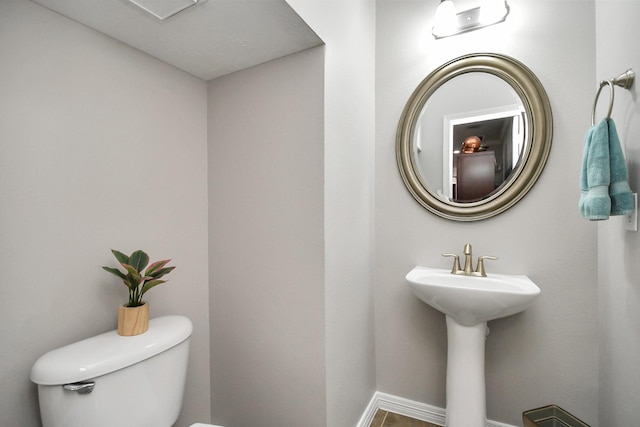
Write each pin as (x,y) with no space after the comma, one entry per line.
(624,80)
(603,83)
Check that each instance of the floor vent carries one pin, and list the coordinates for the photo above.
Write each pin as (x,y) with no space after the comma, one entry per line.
(550,416)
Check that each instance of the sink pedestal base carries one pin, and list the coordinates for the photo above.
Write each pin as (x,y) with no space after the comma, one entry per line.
(466,393)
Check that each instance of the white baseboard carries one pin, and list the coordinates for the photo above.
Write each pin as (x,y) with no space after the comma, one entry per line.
(408,408)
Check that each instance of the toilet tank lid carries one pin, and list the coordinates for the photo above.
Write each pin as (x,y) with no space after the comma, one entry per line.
(109,352)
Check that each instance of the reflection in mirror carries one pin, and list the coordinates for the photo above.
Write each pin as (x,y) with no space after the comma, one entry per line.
(501,135)
(474,136)
(495,115)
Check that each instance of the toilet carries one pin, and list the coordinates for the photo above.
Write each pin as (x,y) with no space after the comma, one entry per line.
(109,380)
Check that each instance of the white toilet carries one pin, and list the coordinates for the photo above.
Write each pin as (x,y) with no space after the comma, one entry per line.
(109,380)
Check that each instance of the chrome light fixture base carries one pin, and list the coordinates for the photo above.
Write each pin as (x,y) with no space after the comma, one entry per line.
(469,20)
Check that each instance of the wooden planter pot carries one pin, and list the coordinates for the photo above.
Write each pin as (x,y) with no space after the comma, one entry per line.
(133,320)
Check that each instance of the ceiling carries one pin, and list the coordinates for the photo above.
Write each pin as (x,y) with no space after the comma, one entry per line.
(208,40)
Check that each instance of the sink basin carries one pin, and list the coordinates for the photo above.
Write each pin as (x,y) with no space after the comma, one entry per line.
(470,300)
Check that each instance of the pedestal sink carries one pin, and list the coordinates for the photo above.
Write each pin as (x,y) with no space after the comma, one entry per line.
(468,303)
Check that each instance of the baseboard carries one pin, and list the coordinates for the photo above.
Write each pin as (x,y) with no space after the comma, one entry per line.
(408,408)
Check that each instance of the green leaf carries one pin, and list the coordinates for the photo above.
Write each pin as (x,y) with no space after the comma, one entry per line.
(122,258)
(156,265)
(139,260)
(115,272)
(134,276)
(159,273)
(150,285)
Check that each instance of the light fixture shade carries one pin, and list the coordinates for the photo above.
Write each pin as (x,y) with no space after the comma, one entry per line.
(445,21)
(493,11)
(448,23)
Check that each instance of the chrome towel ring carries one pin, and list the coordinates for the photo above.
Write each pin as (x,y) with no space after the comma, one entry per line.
(624,80)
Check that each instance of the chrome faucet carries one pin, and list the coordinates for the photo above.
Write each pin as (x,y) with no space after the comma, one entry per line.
(468,263)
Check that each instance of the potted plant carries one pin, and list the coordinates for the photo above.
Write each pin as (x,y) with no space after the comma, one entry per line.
(133,317)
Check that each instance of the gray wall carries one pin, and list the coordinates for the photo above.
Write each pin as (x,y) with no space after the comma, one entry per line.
(266,244)
(291,226)
(347,28)
(619,250)
(548,353)
(102,147)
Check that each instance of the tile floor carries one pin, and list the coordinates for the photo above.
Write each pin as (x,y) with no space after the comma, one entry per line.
(389,419)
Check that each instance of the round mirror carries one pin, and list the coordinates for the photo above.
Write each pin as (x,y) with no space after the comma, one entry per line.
(474,136)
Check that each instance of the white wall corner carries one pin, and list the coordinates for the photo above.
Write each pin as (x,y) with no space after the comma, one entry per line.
(409,408)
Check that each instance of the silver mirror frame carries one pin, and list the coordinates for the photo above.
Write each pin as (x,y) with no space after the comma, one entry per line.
(537,146)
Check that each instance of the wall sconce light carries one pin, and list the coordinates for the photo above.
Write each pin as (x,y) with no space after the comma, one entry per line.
(448,22)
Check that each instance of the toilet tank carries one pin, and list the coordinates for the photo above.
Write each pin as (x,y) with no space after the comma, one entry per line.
(138,381)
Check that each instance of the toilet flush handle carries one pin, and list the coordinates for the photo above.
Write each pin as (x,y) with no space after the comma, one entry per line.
(84,387)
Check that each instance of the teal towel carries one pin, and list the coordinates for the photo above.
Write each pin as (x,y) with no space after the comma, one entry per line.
(595,203)
(604,180)
(622,199)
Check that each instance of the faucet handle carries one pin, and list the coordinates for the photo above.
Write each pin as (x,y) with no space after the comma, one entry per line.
(456,262)
(480,266)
